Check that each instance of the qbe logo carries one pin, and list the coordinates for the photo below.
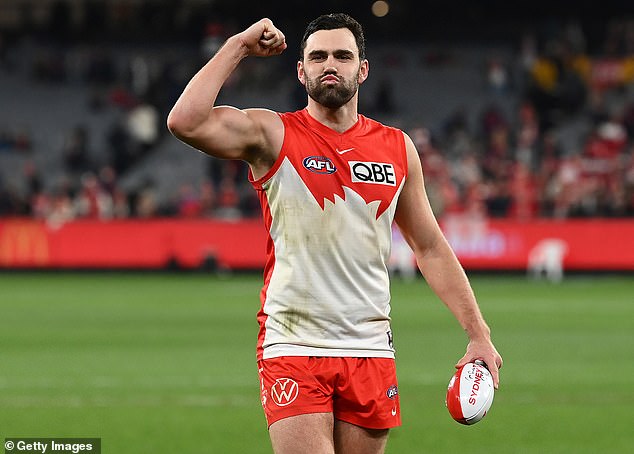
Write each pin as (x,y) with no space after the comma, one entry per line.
(373,172)
(284,391)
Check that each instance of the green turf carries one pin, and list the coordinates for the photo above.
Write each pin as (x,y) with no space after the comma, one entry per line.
(165,363)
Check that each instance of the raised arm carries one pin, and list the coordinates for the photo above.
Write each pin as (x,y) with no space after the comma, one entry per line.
(254,135)
(440,267)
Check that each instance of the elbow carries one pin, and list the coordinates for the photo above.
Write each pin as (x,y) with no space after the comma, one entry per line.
(186,127)
(176,124)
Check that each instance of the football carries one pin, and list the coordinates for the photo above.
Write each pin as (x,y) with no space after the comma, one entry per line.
(470,393)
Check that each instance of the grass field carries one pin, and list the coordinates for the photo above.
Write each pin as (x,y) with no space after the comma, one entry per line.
(164,363)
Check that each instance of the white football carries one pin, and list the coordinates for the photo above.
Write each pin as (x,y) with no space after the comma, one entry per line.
(470,393)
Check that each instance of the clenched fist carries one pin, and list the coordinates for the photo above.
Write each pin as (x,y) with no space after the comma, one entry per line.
(263,39)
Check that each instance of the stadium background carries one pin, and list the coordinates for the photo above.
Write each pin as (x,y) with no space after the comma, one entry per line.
(523,115)
(520,113)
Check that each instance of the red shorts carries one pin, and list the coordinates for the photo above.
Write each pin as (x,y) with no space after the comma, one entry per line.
(361,391)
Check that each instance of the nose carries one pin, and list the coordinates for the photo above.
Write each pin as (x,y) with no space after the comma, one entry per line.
(329,65)
(330,70)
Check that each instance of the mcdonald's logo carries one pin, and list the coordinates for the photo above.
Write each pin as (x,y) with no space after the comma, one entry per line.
(23,243)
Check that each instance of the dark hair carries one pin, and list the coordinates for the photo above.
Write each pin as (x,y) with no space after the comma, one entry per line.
(333,22)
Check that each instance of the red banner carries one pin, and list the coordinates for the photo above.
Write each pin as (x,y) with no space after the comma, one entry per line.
(479,244)
(132,244)
(598,244)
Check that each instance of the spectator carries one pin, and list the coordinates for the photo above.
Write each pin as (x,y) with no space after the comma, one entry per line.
(143,126)
(76,153)
(120,151)
(146,203)
(566,188)
(207,199)
(384,99)
(92,202)
(497,77)
(523,189)
(61,209)
(188,202)
(527,135)
(228,199)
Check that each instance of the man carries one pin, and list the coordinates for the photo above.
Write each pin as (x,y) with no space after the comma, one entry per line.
(330,182)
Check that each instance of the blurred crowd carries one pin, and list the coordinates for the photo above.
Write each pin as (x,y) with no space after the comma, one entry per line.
(520,165)
(509,165)
(520,173)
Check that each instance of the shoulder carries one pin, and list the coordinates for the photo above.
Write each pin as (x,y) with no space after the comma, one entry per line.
(264,117)
(270,125)
(413,159)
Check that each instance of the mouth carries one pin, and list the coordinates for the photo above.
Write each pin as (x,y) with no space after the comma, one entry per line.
(330,78)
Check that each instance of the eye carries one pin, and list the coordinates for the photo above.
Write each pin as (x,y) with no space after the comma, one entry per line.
(317,56)
(344,55)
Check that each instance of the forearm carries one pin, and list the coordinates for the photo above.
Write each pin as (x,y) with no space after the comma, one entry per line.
(447,279)
(441,268)
(197,100)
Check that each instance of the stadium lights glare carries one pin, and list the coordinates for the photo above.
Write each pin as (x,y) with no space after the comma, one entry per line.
(380,8)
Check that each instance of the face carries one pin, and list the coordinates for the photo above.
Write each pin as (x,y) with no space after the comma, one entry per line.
(331,70)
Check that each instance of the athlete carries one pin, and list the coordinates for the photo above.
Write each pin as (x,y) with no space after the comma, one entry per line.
(330,181)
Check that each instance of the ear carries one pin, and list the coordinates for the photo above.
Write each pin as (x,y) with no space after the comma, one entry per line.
(364,69)
(300,72)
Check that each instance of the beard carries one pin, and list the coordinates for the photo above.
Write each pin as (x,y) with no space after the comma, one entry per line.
(332,96)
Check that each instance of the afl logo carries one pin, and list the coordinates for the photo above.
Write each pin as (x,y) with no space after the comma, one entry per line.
(319,164)
(284,391)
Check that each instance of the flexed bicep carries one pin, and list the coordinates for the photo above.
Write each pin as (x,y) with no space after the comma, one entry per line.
(231,133)
(226,132)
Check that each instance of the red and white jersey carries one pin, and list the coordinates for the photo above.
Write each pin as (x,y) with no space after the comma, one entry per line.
(328,204)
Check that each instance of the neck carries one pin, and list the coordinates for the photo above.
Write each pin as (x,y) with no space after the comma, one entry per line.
(339,119)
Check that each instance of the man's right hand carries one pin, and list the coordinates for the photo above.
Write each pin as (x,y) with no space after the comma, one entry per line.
(263,39)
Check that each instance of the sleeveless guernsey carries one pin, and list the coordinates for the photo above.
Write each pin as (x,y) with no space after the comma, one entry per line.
(328,205)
